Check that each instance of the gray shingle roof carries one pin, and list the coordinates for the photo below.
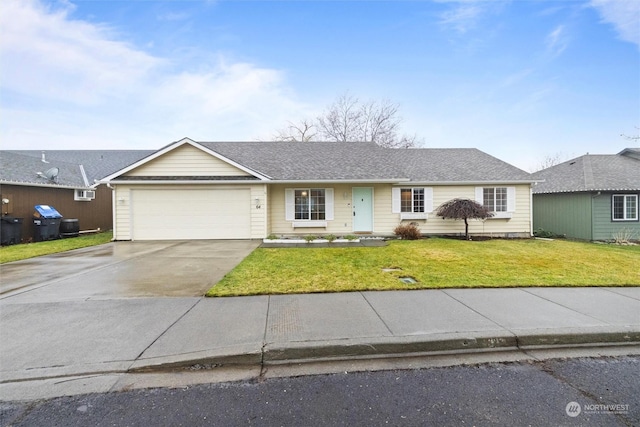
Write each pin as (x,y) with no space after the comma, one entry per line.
(367,161)
(613,172)
(21,166)
(285,161)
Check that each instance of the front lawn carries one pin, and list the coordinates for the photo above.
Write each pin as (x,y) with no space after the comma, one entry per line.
(30,250)
(433,263)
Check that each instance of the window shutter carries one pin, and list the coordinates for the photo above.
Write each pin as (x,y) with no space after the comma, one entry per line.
(479,195)
(395,200)
(289,200)
(511,199)
(428,199)
(328,204)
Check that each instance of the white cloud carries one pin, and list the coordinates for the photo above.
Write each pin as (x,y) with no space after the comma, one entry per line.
(557,40)
(46,54)
(624,15)
(462,18)
(466,15)
(75,83)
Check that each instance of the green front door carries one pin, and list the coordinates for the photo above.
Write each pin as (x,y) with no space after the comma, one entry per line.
(362,209)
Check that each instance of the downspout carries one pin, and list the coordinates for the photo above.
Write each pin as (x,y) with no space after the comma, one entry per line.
(531,210)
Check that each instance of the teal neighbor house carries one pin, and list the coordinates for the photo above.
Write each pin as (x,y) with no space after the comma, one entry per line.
(592,197)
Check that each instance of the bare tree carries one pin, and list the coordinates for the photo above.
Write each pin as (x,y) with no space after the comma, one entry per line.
(304,131)
(464,209)
(349,120)
(635,138)
(550,160)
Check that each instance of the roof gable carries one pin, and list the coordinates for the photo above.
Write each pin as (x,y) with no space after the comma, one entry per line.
(185,158)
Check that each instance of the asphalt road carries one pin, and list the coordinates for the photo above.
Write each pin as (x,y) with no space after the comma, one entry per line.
(585,392)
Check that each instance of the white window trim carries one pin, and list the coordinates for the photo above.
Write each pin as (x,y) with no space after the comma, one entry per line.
(308,223)
(511,201)
(396,205)
(624,208)
(289,202)
(414,215)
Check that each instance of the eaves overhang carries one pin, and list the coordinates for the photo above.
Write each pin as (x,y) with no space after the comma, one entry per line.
(339,181)
(502,182)
(183,182)
(591,190)
(45,185)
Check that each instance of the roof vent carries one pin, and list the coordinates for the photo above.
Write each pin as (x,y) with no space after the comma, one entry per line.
(572,163)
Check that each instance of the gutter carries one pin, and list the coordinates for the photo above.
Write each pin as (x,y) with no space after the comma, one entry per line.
(35,184)
(190,182)
(474,182)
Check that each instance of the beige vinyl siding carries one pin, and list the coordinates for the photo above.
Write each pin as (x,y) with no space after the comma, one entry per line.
(384,221)
(342,212)
(187,161)
(518,224)
(122,213)
(123,206)
(259,211)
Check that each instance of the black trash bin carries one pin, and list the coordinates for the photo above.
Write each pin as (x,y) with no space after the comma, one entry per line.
(69,227)
(46,221)
(11,230)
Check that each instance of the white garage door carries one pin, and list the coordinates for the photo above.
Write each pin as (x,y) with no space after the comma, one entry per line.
(171,214)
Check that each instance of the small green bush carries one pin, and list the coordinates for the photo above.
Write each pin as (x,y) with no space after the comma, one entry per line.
(350,237)
(272,237)
(408,231)
(310,238)
(330,238)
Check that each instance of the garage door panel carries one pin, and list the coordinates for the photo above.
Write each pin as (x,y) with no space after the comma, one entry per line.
(171,214)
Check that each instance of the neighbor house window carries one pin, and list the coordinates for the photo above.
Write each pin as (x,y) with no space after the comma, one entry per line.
(495,198)
(625,207)
(310,204)
(412,200)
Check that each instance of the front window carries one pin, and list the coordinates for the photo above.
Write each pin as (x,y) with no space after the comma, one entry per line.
(412,200)
(495,199)
(310,204)
(625,207)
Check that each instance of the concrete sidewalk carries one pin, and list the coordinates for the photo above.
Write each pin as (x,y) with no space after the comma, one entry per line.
(64,341)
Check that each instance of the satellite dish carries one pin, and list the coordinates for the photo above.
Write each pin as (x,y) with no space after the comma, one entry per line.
(50,174)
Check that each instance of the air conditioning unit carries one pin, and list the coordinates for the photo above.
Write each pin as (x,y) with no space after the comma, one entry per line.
(84,195)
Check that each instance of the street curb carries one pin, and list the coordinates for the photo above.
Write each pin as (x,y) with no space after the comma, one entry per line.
(391,347)
(359,348)
(558,338)
(208,358)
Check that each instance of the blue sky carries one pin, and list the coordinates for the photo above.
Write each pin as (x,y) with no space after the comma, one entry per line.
(518,79)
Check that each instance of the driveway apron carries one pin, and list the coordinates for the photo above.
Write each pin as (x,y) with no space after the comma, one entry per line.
(124,270)
(98,309)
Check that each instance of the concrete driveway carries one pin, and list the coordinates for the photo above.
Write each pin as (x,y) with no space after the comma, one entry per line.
(124,270)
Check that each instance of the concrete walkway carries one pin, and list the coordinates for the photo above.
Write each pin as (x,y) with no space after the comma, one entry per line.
(84,320)
(61,342)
